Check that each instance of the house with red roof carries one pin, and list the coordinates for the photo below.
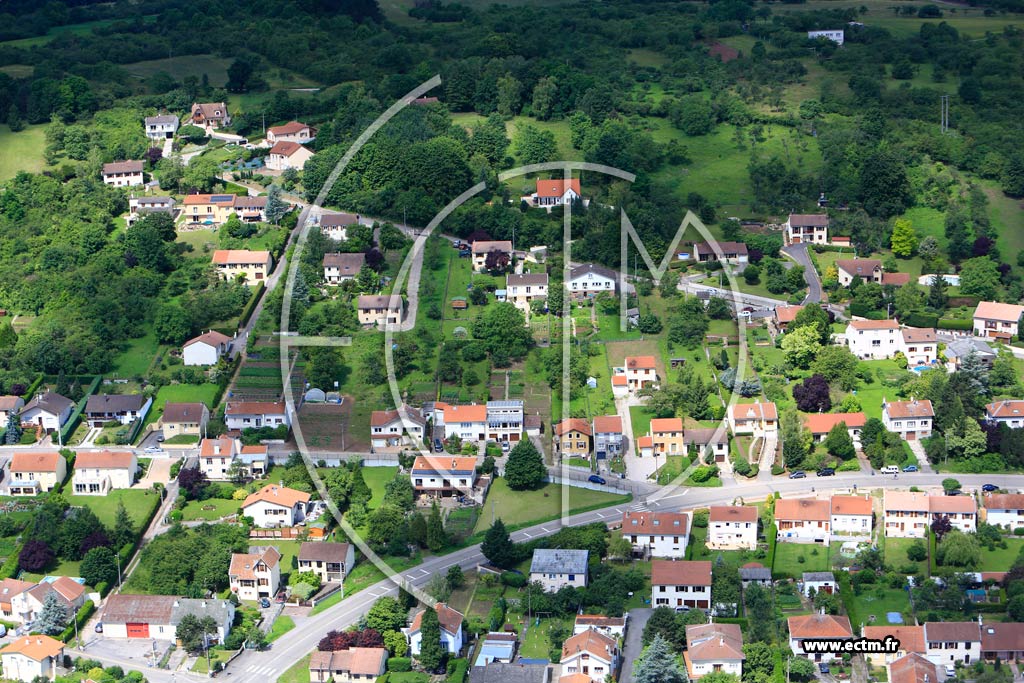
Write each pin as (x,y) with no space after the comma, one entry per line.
(713,648)
(394,428)
(34,472)
(639,371)
(1008,412)
(255,574)
(1004,510)
(753,418)
(911,419)
(851,514)
(803,520)
(592,654)
(820,424)
(451,629)
(731,527)
(681,584)
(241,415)
(997,320)
(286,155)
(97,473)
(607,436)
(667,433)
(443,476)
(817,627)
(293,131)
(555,192)
(276,506)
(572,438)
(657,534)
(348,666)
(249,266)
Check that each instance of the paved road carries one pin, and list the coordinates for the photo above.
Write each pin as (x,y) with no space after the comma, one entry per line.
(798,252)
(741,297)
(633,645)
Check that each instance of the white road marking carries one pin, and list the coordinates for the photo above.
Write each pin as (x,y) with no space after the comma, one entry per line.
(619,510)
(545,530)
(527,535)
(424,572)
(600,515)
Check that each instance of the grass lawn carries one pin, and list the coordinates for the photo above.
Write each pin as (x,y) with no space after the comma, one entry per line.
(281,626)
(297,672)
(138,502)
(365,574)
(182,440)
(408,677)
(640,417)
(536,642)
(135,360)
(788,557)
(216,68)
(23,151)
(1000,560)
(181,393)
(66,568)
(211,509)
(876,601)
(523,508)
(895,553)
(215,656)
(377,478)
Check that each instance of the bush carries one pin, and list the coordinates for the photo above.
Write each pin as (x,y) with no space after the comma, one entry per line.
(84,612)
(514,580)
(1019,531)
(457,672)
(955,324)
(399,664)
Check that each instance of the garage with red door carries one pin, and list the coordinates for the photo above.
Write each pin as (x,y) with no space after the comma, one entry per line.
(138,630)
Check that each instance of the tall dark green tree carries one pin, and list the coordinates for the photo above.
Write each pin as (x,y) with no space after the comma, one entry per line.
(525,469)
(497,546)
(436,536)
(431,653)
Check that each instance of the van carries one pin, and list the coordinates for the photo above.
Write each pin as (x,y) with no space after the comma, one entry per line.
(950,671)
(890,469)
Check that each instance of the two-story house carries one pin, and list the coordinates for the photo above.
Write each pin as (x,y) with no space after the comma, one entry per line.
(330,561)
(607,436)
(216,457)
(161,127)
(572,438)
(555,568)
(920,346)
(183,419)
(522,289)
(389,430)
(713,648)
(380,310)
(801,227)
(592,654)
(97,473)
(754,418)
(339,267)
(867,269)
(138,207)
(657,534)
(122,408)
(803,520)
(820,424)
(482,249)
(293,131)
(242,264)
(33,472)
(8,405)
(276,506)
(556,192)
(1004,510)
(286,155)
(505,420)
(727,252)
(468,422)
(241,415)
(997,320)
(354,665)
(640,371)
(208,209)
(873,339)
(952,642)
(732,527)
(67,591)
(667,436)
(123,173)
(912,668)
(210,115)
(962,511)
(1007,412)
(704,440)
(443,476)
(817,627)
(29,657)
(613,627)
(912,419)
(335,225)
(451,630)
(911,641)
(255,574)
(681,584)
(906,514)
(588,280)
(851,515)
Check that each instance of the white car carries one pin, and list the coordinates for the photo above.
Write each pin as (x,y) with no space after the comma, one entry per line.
(153,449)
(890,469)
(950,671)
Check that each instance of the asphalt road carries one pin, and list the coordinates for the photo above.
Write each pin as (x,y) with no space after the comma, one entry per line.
(798,252)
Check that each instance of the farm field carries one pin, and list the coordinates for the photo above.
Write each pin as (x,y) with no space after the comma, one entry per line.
(22,151)
(523,508)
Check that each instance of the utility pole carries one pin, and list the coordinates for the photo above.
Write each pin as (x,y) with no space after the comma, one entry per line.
(944,114)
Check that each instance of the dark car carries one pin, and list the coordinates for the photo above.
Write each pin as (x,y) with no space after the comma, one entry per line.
(99,627)
(955,492)
(438,446)
(264,603)
(910,468)
(826,472)
(989,488)
(823,667)
(799,474)
(594,479)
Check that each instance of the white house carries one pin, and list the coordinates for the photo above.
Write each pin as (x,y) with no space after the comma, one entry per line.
(33,472)
(1004,510)
(818,582)
(276,506)
(919,345)
(909,514)
(505,420)
(753,418)
(69,593)
(380,310)
(589,280)
(99,472)
(28,657)
(801,227)
(389,430)
(873,339)
(556,191)
(997,320)
(353,665)
(1008,412)
(482,248)
(162,127)
(180,419)
(335,225)
(468,422)
(851,515)
(206,349)
(143,206)
(293,131)
(713,648)
(123,408)
(557,568)
(731,252)
(803,520)
(156,617)
(816,627)
(613,627)
(951,642)
(330,561)
(216,457)
(13,600)
(820,424)
(245,414)
(911,419)
(657,534)
(123,173)
(339,267)
(443,476)
(255,574)
(731,527)
(286,155)
(451,630)
(8,405)
(911,640)
(523,288)
(640,371)
(681,584)
(49,411)
(835,35)
(590,653)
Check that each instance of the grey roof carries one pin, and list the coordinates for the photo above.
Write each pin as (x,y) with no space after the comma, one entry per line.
(129,166)
(157,200)
(755,574)
(331,219)
(349,264)
(704,436)
(161,120)
(176,413)
(819,576)
(524,279)
(581,270)
(50,402)
(323,551)
(222,611)
(501,672)
(512,403)
(558,561)
(963,347)
(114,403)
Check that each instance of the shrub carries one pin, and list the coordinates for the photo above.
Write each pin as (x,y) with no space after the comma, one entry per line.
(514,580)
(399,664)
(1019,531)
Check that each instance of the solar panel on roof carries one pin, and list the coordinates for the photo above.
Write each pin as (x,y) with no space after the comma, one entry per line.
(222,198)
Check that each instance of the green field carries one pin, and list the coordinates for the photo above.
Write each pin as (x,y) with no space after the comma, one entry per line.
(181,393)
(787,557)
(377,478)
(210,509)
(17,70)
(895,552)
(138,502)
(215,68)
(1001,559)
(523,508)
(281,626)
(22,151)
(135,360)
(297,672)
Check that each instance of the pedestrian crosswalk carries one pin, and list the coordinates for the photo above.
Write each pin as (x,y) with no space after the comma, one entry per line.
(639,507)
(260,670)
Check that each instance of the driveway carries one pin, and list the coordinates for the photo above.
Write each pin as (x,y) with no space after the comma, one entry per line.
(798,252)
(637,468)
(632,646)
(159,471)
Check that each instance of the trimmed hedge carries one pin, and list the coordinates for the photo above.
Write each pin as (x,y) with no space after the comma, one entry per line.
(922,320)
(84,612)
(740,621)
(257,292)
(955,324)
(32,388)
(10,566)
(458,671)
(400,664)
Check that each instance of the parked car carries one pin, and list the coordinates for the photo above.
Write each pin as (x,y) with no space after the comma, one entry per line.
(160,438)
(890,469)
(264,603)
(153,449)
(505,446)
(281,597)
(798,474)
(438,446)
(823,667)
(989,488)
(99,627)
(910,468)
(826,472)
(950,671)
(955,492)
(594,479)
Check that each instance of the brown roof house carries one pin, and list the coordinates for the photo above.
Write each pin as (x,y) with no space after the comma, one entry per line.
(330,561)
(911,640)
(713,648)
(592,654)
(255,574)
(913,668)
(731,527)
(348,666)
(286,155)
(451,630)
(803,520)
(122,408)
(952,642)
(183,419)
(339,267)
(804,227)
(123,173)
(210,115)
(817,627)
(657,534)
(572,438)
(681,584)
(380,310)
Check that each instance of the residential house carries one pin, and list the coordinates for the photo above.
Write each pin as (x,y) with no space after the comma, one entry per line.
(556,568)
(867,269)
(286,155)
(34,472)
(755,573)
(29,657)
(380,310)
(920,346)
(572,438)
(183,419)
(556,191)
(812,583)
(713,648)
(505,420)
(255,574)
(341,267)
(206,349)
(208,209)
(156,617)
(613,627)
(69,593)
(12,600)
(249,266)
(335,225)
(836,36)
(873,339)
(640,371)
(588,280)
(997,320)
(820,424)
(482,248)
(911,641)
(522,289)
(250,209)
(49,411)
(496,647)
(468,422)
(451,630)
(784,315)
(816,627)
(952,642)
(388,429)
(97,473)
(667,436)
(731,252)
(293,131)
(592,654)
(851,515)
(1002,641)
(1007,412)
(712,440)
(731,527)
(958,349)
(8,405)
(348,666)
(216,457)
(607,436)
(681,584)
(517,672)
(758,418)
(123,173)
(1004,510)
(276,506)
(122,408)
(912,668)
(912,419)
(210,115)
(162,127)
(909,514)
(330,561)
(645,446)
(962,511)
(253,461)
(803,520)
(657,534)
(443,476)
(139,207)
(241,415)
(801,227)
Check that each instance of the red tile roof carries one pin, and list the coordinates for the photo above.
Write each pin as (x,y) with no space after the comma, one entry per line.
(1004,501)
(608,424)
(680,573)
(573,424)
(104,460)
(911,637)
(787,314)
(287,129)
(805,509)
(451,620)
(640,362)
(908,409)
(590,641)
(820,626)
(211,338)
(35,461)
(278,495)
(992,310)
(851,505)
(240,257)
(732,513)
(557,187)
(874,325)
(822,423)
(662,425)
(654,523)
